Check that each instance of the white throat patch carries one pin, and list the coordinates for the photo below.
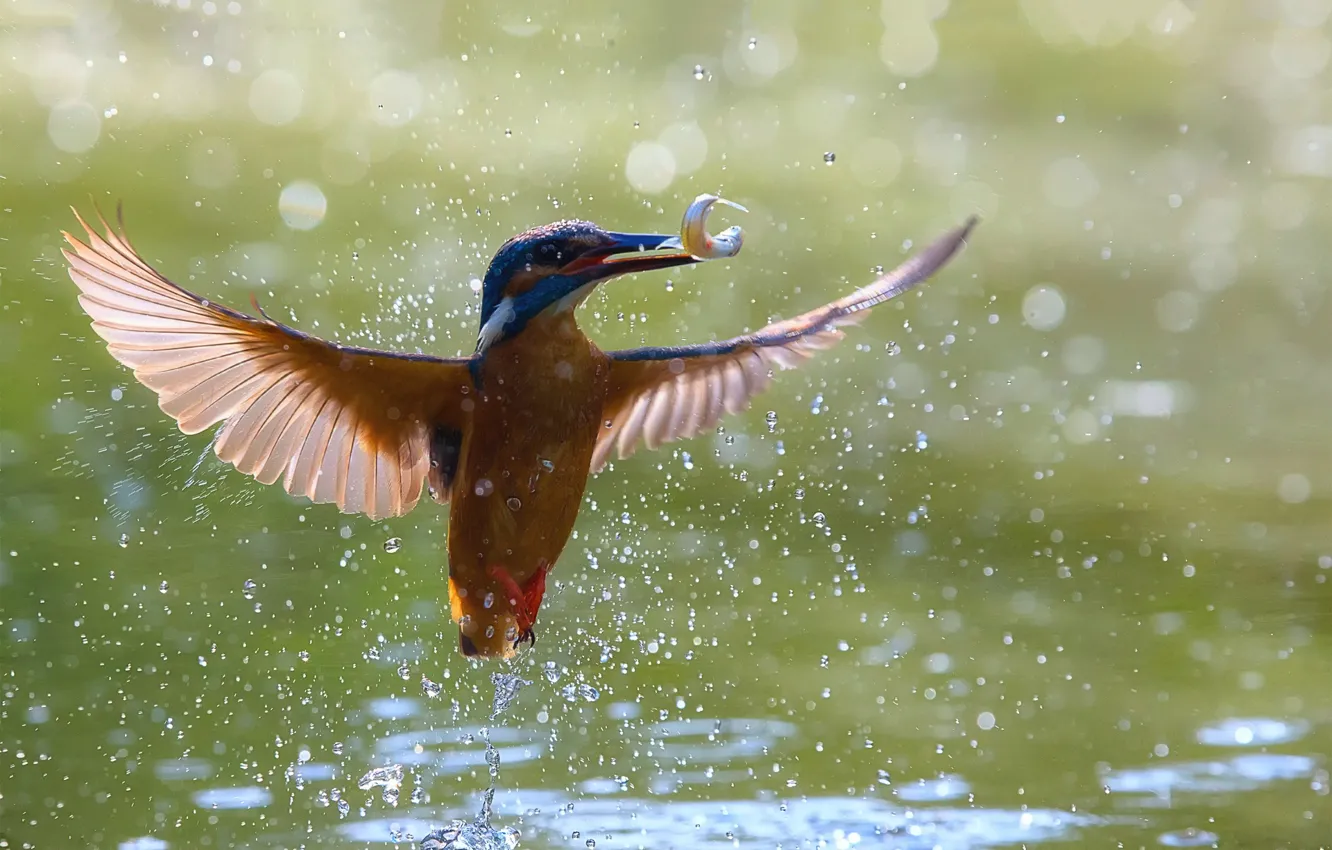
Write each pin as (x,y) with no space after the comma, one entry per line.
(575,298)
(493,330)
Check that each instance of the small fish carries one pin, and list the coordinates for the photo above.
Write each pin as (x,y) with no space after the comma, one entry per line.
(694,236)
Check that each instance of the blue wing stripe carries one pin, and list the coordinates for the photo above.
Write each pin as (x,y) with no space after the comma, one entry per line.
(902,279)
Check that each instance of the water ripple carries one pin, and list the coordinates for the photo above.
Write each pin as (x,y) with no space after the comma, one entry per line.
(453,751)
(943,787)
(701,739)
(183,768)
(251,797)
(810,823)
(1241,773)
(797,824)
(1190,837)
(1252,732)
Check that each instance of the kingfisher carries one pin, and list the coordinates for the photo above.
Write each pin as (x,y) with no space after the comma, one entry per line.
(506,437)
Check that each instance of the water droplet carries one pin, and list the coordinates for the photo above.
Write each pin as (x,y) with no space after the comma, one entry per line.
(553,672)
(391,794)
(393,544)
(419,795)
(385,776)
(163,587)
(587,693)
(700,72)
(829,158)
(819,519)
(885,778)
(431,689)
(124,541)
(338,747)
(508,134)
(247,589)
(772,421)
(922,441)
(800,494)
(753,43)
(489,601)
(591,843)
(302,205)
(372,653)
(514,503)
(321,799)
(304,655)
(484,487)
(404,671)
(344,808)
(507,687)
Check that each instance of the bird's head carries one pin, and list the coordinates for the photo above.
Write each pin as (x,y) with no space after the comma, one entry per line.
(556,266)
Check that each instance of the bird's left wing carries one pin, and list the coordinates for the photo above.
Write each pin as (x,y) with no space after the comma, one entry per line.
(657,395)
(337,424)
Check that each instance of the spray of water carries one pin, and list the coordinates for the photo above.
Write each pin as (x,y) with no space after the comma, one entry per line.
(479,834)
(203,455)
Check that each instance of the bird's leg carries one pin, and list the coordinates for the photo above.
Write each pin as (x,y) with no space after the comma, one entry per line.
(524,600)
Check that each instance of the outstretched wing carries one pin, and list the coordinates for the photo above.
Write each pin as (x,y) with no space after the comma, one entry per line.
(657,395)
(345,425)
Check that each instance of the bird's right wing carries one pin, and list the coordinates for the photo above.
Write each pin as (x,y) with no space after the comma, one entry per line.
(657,395)
(351,426)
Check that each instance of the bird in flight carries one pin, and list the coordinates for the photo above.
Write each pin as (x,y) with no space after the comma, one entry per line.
(506,437)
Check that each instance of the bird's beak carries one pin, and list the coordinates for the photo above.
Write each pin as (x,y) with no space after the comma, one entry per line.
(628,253)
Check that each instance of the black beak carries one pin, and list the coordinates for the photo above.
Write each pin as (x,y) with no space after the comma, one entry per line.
(627,253)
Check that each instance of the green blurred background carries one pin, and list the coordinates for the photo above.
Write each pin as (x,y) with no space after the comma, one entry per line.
(1042,553)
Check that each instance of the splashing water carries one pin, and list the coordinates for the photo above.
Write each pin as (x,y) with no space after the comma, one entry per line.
(203,456)
(507,686)
(479,834)
(587,693)
(389,777)
(470,836)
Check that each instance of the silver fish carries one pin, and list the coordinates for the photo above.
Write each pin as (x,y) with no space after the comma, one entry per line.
(694,236)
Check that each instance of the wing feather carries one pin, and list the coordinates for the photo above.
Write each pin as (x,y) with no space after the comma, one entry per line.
(658,395)
(336,423)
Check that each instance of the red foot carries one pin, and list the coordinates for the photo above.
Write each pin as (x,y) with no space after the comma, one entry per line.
(526,600)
